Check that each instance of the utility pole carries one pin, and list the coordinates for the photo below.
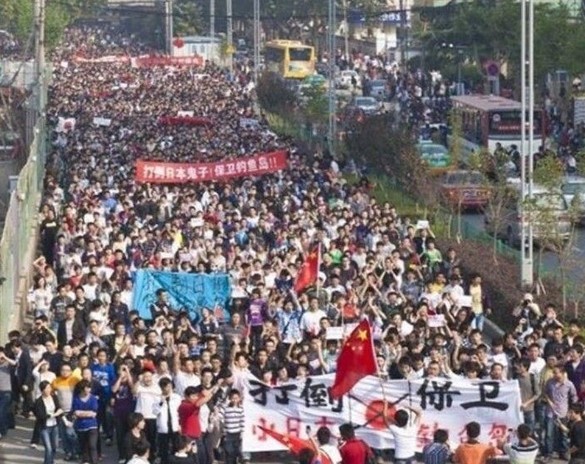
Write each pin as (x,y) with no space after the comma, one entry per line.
(39,12)
(212,18)
(527,149)
(332,129)
(402,35)
(346,30)
(169,26)
(230,35)
(256,40)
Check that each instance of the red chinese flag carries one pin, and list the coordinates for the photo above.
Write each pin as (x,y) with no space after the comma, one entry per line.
(356,360)
(309,271)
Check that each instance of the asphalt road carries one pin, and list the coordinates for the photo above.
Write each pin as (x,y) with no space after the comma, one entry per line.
(549,259)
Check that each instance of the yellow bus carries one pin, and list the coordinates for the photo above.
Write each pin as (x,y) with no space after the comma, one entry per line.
(290,58)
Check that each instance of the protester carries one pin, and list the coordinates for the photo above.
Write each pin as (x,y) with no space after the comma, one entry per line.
(559,393)
(233,424)
(438,452)
(6,367)
(326,448)
(404,429)
(48,412)
(167,419)
(135,437)
(472,451)
(141,454)
(100,227)
(524,450)
(84,409)
(184,453)
(576,432)
(352,449)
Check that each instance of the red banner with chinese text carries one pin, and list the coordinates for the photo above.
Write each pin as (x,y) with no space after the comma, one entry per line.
(158,172)
(165,60)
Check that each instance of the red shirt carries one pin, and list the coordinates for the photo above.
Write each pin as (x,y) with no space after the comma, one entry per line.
(354,451)
(189,419)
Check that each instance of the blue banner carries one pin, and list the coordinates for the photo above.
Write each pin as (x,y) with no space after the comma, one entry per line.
(187,292)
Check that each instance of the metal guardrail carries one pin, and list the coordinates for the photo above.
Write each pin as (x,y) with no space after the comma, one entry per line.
(20,232)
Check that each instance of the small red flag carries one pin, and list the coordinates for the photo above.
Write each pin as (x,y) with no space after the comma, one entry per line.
(309,270)
(295,444)
(356,360)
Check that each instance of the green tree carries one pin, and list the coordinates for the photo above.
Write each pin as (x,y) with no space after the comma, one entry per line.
(490,30)
(274,96)
(549,173)
(187,18)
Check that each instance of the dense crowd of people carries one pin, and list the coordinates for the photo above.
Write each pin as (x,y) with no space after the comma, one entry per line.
(96,373)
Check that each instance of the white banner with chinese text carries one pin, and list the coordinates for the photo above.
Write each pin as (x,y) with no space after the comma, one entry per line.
(445,403)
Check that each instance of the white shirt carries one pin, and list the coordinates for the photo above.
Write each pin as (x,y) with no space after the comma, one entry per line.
(146,399)
(537,366)
(310,321)
(161,410)
(332,453)
(404,440)
(184,380)
(50,408)
(38,378)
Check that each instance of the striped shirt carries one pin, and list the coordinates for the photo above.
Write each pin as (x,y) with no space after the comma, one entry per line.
(233,419)
(436,453)
(521,454)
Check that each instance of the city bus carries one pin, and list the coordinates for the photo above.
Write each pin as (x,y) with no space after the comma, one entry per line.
(290,59)
(487,120)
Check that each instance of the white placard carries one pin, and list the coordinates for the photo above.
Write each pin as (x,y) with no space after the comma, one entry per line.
(105,122)
(465,301)
(437,320)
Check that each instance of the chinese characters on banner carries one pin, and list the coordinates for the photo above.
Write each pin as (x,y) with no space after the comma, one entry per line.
(158,172)
(148,61)
(445,403)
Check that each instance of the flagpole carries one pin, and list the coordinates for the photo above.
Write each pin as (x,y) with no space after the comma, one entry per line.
(318,269)
(349,406)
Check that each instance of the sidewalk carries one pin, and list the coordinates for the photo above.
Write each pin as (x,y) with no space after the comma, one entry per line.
(15,449)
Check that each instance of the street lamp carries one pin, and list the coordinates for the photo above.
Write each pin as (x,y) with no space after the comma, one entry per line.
(256,40)
(459,48)
(332,127)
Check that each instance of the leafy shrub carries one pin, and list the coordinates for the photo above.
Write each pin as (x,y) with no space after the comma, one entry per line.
(501,279)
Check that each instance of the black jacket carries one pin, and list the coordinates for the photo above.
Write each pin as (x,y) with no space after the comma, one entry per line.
(22,374)
(40,410)
(78,332)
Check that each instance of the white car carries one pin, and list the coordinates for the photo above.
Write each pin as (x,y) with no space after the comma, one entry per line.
(573,190)
(343,79)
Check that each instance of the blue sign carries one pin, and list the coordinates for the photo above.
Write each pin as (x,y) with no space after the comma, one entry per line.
(389,17)
(187,292)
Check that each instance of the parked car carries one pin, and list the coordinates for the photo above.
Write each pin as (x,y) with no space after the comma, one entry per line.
(315,81)
(436,156)
(466,189)
(548,212)
(573,190)
(377,88)
(344,78)
(369,105)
